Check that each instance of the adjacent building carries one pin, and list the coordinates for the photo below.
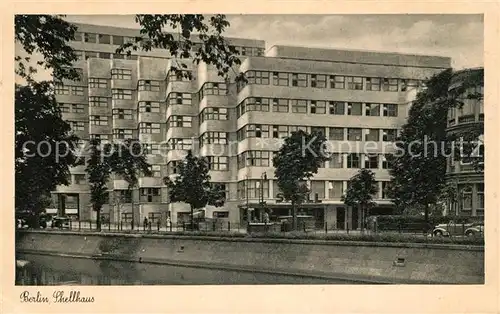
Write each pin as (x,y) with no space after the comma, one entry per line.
(357,99)
(468,181)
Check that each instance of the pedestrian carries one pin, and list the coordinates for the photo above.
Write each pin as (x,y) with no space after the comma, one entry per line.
(168,222)
(145,222)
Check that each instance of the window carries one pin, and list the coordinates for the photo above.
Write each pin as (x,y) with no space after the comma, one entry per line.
(280,79)
(213,113)
(219,163)
(371,161)
(294,128)
(224,188)
(118,56)
(60,89)
(98,82)
(79,179)
(104,55)
(98,120)
(354,134)
(103,138)
(373,83)
(257,130)
(335,189)
(336,134)
(320,130)
(121,74)
(213,138)
(299,80)
(90,38)
(337,81)
(149,128)
(78,108)
(155,171)
(408,84)
(253,104)
(467,198)
(336,160)
(280,105)
(150,149)
(389,135)
(254,188)
(214,89)
(122,114)
(385,161)
(150,195)
(318,107)
(180,143)
(318,81)
(147,85)
(354,109)
(354,82)
(480,196)
(173,167)
(390,85)
(90,54)
(179,99)
(121,94)
(258,77)
(280,131)
(179,75)
(390,110)
(299,106)
(149,106)
(335,107)
(124,196)
(77,125)
(104,39)
(118,40)
(122,134)
(65,107)
(78,36)
(256,158)
(372,135)
(353,160)
(372,110)
(76,90)
(180,121)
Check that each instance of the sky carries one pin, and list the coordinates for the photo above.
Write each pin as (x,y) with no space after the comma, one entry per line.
(452,35)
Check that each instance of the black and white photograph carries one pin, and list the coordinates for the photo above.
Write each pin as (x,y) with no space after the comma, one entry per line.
(248,149)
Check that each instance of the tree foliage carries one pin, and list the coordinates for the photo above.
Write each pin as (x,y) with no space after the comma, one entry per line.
(360,191)
(192,185)
(213,49)
(418,168)
(124,159)
(44,145)
(298,160)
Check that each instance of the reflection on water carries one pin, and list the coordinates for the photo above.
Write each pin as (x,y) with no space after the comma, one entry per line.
(50,270)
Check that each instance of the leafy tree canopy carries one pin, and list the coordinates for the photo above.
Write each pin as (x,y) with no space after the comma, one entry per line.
(361,189)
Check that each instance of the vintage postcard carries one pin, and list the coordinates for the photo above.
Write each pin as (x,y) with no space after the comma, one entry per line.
(265,159)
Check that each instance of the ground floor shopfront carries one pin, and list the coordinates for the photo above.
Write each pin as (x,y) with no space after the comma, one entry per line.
(335,216)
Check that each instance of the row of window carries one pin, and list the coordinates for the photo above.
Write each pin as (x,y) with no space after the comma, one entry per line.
(316,107)
(328,81)
(334,189)
(334,133)
(85,55)
(72,108)
(216,163)
(60,89)
(257,158)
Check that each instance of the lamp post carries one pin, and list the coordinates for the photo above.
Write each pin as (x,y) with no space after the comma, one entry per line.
(246,198)
(263,178)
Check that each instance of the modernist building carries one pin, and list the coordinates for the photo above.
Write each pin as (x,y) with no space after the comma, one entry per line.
(353,97)
(468,181)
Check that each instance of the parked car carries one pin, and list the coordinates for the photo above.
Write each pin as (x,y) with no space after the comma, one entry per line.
(61,222)
(476,230)
(451,229)
(28,219)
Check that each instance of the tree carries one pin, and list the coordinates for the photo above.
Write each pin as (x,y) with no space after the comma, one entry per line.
(418,168)
(214,49)
(192,185)
(44,144)
(360,191)
(125,159)
(298,160)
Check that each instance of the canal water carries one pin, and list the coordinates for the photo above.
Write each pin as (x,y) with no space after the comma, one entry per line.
(49,270)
